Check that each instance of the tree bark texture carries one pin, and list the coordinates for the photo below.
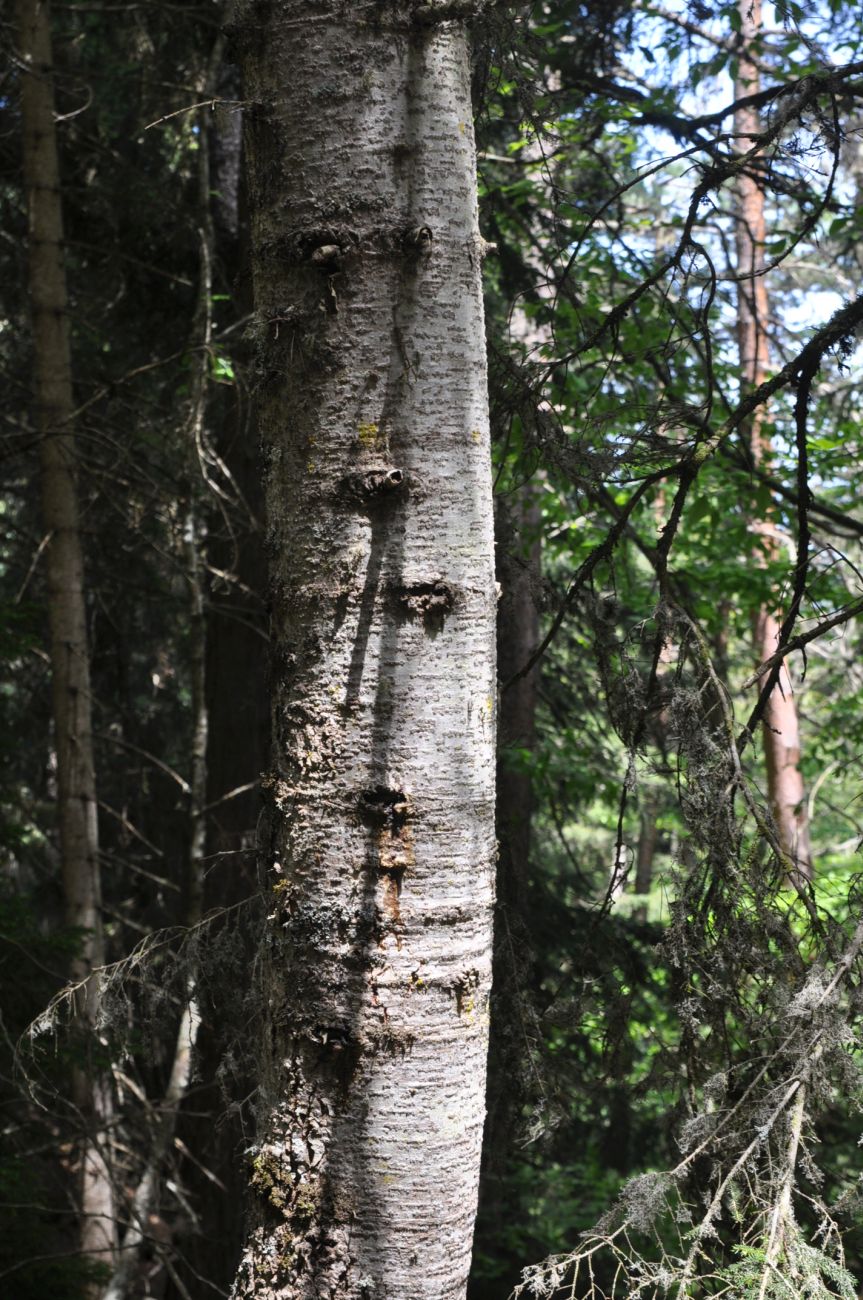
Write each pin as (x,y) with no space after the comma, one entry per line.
(781,727)
(70,663)
(379,847)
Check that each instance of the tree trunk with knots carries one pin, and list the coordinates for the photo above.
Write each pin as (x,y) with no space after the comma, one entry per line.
(378,843)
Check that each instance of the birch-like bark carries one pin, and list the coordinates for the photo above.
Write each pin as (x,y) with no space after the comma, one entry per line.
(780,727)
(70,663)
(380,849)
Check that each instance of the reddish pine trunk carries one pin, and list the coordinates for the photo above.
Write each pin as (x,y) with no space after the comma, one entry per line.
(781,731)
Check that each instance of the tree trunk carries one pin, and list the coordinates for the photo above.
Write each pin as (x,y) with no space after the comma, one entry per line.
(513,1013)
(70,664)
(145,1199)
(380,846)
(237,708)
(647,837)
(780,729)
(517,638)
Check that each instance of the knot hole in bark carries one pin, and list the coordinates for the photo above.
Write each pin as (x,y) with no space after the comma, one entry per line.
(339,1048)
(384,808)
(324,246)
(375,487)
(380,482)
(464,988)
(417,241)
(387,812)
(445,11)
(429,601)
(328,256)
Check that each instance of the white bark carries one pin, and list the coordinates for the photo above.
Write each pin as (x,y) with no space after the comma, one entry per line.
(379,857)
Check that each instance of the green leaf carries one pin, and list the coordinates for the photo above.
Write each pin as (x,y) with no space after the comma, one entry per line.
(221,368)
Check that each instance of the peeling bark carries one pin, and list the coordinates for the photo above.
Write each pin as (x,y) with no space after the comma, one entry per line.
(70,661)
(780,726)
(379,844)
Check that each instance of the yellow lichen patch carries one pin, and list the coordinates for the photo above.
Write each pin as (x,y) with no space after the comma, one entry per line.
(267,1179)
(464,988)
(311,467)
(367,433)
(461,127)
(475,434)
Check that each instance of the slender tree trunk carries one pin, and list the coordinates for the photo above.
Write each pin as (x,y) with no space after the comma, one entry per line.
(514,1027)
(236,670)
(125,1280)
(379,855)
(517,638)
(649,803)
(70,664)
(237,749)
(644,853)
(781,728)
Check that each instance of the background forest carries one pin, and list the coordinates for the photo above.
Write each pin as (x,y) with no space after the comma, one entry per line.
(672,196)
